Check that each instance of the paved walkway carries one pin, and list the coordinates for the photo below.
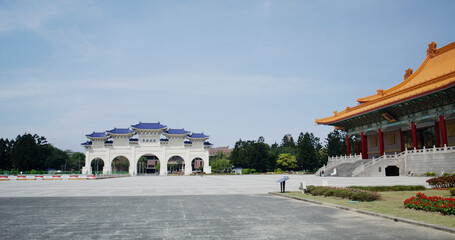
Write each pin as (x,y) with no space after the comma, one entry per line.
(185,185)
(190,207)
(194,217)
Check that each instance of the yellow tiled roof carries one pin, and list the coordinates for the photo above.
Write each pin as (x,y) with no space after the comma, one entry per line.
(436,72)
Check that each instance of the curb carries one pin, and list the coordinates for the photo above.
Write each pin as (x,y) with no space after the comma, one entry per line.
(422,224)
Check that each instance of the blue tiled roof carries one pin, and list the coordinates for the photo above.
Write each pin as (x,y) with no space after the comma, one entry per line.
(97,135)
(141,125)
(88,143)
(120,131)
(188,142)
(176,131)
(198,135)
(134,139)
(208,144)
(108,142)
(164,140)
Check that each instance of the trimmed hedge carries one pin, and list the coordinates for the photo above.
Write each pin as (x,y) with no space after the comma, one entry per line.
(353,194)
(452,192)
(442,182)
(394,188)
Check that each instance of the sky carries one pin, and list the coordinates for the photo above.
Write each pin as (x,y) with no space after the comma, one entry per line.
(231,69)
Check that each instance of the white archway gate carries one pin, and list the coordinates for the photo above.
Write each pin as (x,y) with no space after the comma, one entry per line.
(149,140)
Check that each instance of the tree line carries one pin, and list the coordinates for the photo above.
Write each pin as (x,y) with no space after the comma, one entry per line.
(32,152)
(307,153)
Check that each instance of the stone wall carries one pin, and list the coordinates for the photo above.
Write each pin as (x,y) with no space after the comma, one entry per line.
(420,164)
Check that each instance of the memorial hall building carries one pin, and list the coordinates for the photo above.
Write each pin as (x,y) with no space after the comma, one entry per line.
(408,129)
(147,148)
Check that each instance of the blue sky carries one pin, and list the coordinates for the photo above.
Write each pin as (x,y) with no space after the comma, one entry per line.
(231,69)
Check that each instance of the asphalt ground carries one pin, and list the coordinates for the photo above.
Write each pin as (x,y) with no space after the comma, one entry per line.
(188,207)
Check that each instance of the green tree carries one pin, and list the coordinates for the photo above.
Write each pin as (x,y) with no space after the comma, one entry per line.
(260,159)
(286,161)
(308,145)
(251,154)
(287,141)
(276,150)
(336,143)
(221,165)
(220,162)
(5,154)
(30,152)
(57,159)
(240,154)
(76,161)
(322,157)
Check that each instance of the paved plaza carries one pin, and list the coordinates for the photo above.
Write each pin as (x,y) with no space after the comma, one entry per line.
(189,207)
(185,185)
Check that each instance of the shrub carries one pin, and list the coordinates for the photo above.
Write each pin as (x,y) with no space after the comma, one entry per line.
(329,192)
(310,188)
(452,192)
(394,188)
(431,204)
(442,182)
(445,174)
(353,194)
(429,174)
(33,171)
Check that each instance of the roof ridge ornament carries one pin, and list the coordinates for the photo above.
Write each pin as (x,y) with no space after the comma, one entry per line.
(380,92)
(431,52)
(408,73)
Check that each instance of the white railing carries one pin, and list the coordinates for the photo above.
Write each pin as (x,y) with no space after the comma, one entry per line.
(336,160)
(398,156)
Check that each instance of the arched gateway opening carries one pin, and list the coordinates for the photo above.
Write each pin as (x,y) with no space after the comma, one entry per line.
(148,164)
(97,165)
(197,165)
(176,165)
(392,171)
(120,165)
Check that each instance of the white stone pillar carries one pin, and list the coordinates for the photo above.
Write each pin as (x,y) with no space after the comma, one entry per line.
(207,168)
(87,169)
(188,169)
(163,165)
(107,169)
(133,163)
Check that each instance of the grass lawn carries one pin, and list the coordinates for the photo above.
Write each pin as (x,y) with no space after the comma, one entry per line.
(392,204)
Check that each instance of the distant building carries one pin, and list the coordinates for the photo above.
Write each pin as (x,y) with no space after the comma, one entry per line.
(226,150)
(288,136)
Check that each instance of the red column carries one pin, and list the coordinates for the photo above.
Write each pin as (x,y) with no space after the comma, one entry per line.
(348,146)
(438,135)
(362,138)
(442,121)
(358,147)
(381,142)
(401,141)
(414,135)
(366,147)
